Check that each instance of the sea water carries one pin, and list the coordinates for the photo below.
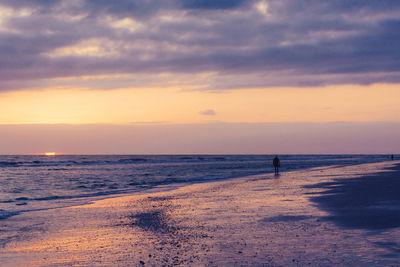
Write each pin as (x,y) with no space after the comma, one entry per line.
(34,182)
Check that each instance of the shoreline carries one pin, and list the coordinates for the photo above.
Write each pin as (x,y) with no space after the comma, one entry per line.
(74,191)
(239,221)
(159,188)
(90,198)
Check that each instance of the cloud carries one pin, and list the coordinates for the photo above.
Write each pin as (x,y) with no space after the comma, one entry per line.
(243,43)
(212,4)
(208,112)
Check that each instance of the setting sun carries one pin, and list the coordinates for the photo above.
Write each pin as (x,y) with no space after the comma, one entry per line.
(50,153)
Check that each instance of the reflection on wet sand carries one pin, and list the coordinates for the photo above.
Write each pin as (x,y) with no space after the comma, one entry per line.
(293,219)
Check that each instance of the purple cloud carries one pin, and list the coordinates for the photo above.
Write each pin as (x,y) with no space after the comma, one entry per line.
(208,112)
(286,43)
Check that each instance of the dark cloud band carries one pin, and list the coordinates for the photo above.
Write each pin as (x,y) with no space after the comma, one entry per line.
(275,43)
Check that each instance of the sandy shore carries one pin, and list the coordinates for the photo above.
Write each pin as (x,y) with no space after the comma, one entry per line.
(337,216)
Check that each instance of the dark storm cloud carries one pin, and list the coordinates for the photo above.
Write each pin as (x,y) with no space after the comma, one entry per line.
(253,43)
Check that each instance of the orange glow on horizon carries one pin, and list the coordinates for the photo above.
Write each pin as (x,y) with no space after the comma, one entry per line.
(50,153)
(351,103)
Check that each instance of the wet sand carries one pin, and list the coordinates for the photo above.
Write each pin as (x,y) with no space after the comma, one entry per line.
(336,216)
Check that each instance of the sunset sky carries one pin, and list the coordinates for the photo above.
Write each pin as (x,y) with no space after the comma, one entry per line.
(199,76)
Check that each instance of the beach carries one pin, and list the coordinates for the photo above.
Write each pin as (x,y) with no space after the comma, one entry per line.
(325,216)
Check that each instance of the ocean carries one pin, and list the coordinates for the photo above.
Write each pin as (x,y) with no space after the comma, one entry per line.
(36,182)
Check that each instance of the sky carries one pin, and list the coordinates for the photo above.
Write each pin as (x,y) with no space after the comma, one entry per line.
(199,76)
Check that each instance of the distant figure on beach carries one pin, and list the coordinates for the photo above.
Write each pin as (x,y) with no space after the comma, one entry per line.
(277,164)
(392,157)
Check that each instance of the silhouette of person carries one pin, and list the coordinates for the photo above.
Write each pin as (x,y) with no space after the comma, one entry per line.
(277,164)
(392,157)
